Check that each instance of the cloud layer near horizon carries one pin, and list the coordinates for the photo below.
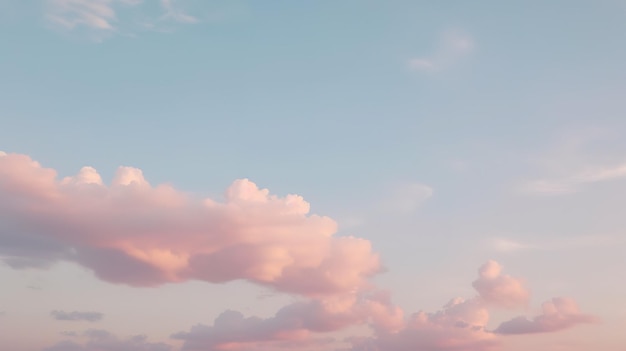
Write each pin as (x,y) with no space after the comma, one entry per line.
(134,233)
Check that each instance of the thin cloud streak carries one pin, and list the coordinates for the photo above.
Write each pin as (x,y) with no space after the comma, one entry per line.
(574,183)
(505,245)
(77,316)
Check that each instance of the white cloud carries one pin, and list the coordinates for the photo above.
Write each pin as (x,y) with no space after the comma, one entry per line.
(452,46)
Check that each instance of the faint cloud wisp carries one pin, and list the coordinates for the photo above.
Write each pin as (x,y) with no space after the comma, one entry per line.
(77,316)
(453,45)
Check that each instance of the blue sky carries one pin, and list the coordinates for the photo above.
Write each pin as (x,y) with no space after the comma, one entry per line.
(446,134)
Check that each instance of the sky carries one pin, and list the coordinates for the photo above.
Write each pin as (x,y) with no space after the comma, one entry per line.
(191,175)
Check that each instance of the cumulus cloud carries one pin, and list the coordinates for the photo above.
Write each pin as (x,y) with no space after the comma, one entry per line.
(452,46)
(77,316)
(134,233)
(460,325)
(500,289)
(105,341)
(558,314)
(294,323)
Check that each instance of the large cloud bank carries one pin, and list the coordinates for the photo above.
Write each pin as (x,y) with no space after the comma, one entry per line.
(134,233)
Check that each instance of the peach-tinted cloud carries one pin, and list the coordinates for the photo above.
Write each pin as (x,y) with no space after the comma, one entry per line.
(557,314)
(460,325)
(500,289)
(134,233)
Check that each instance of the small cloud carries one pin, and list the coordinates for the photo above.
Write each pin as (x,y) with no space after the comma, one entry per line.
(575,182)
(93,14)
(421,64)
(77,316)
(557,314)
(459,166)
(175,13)
(407,197)
(103,18)
(507,245)
(452,46)
(504,245)
(500,289)
(577,159)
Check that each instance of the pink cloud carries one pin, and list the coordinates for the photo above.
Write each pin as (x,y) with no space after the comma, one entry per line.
(294,324)
(460,325)
(557,314)
(134,233)
(499,289)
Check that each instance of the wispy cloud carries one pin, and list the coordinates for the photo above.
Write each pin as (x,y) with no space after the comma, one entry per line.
(452,46)
(174,12)
(577,159)
(575,182)
(96,14)
(103,340)
(77,316)
(506,245)
(104,17)
(406,197)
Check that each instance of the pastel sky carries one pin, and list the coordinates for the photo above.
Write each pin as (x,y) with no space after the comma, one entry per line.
(191,175)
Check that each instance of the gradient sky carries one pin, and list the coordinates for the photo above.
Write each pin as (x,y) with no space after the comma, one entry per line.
(440,175)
